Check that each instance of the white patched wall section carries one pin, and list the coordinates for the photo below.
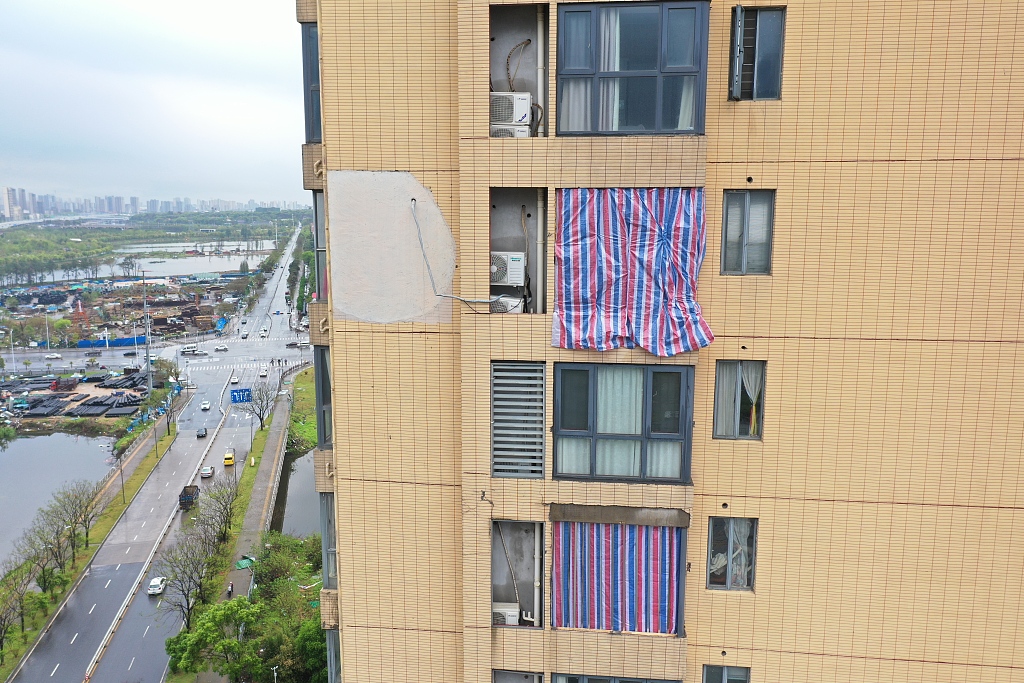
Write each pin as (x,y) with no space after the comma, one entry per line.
(379,257)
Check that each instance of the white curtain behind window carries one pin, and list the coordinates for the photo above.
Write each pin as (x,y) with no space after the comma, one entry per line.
(620,400)
(687,103)
(753,381)
(574,105)
(664,459)
(758,232)
(726,403)
(742,553)
(608,55)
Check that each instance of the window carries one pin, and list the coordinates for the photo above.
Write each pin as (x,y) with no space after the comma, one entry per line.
(517,419)
(731,548)
(623,422)
(516,557)
(617,577)
(517,677)
(747,232)
(756,69)
(320,244)
(739,394)
(726,674)
(322,381)
(333,637)
(562,678)
(311,81)
(632,69)
(328,540)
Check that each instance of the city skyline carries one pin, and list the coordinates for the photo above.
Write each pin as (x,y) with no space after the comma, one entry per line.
(17,204)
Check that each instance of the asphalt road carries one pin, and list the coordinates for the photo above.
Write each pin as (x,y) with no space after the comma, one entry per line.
(136,649)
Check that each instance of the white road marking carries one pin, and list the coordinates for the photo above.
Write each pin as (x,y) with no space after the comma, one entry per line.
(136,537)
(117,567)
(92,608)
(151,509)
(127,551)
(165,484)
(54,670)
(146,631)
(108,582)
(73,640)
(143,525)
(172,474)
(130,664)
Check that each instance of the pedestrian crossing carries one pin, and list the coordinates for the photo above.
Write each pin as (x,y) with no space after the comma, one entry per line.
(216,364)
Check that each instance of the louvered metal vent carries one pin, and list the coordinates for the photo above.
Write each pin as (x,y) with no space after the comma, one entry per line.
(517,419)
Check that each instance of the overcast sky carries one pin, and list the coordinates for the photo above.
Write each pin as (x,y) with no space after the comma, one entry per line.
(158,99)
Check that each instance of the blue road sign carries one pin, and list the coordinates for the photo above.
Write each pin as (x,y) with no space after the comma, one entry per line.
(241,395)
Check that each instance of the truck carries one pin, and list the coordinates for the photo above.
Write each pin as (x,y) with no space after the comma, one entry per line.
(64,384)
(90,354)
(188,497)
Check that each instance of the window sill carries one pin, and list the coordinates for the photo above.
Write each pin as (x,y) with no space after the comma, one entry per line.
(621,480)
(747,439)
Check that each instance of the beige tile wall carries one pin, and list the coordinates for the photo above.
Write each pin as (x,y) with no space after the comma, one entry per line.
(886,484)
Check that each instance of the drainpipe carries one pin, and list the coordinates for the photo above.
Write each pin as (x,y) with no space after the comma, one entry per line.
(538,551)
(541,71)
(540,296)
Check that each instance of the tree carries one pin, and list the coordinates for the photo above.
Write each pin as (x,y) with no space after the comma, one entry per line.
(17,577)
(219,503)
(62,328)
(214,641)
(80,504)
(311,648)
(8,615)
(263,397)
(244,267)
(186,565)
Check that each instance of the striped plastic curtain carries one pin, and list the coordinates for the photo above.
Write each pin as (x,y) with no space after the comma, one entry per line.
(626,266)
(615,577)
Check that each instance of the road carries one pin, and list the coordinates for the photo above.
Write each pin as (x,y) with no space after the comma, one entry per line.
(120,571)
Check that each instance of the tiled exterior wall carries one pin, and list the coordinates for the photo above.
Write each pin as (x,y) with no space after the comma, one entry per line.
(886,485)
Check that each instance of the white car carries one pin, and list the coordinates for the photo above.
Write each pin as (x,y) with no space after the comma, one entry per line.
(234,380)
(157,585)
(53,356)
(205,405)
(263,371)
(222,347)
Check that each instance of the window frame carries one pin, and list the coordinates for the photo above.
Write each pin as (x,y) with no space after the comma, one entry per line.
(699,70)
(738,22)
(739,388)
(729,555)
(313,107)
(583,678)
(725,673)
(746,231)
(684,437)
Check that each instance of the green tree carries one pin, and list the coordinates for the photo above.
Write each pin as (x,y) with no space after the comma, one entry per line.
(243,267)
(62,328)
(311,648)
(214,641)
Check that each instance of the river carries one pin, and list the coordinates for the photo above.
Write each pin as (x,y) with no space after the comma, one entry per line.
(32,468)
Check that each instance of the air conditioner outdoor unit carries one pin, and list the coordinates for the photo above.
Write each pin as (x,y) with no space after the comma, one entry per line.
(508,268)
(511,107)
(504,614)
(510,131)
(508,304)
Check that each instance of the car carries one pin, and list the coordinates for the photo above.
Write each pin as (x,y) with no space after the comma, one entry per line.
(263,372)
(206,472)
(201,433)
(292,345)
(53,356)
(157,585)
(263,334)
(245,335)
(93,353)
(277,312)
(221,347)
(201,353)
(234,380)
(245,322)
(205,405)
(229,458)
(130,354)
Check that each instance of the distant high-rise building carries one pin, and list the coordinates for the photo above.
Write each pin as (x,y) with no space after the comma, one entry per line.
(165,207)
(118,205)
(9,204)
(133,205)
(22,200)
(32,209)
(98,205)
(153,206)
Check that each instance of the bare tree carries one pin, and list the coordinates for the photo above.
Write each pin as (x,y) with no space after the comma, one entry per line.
(263,397)
(219,503)
(79,502)
(8,615)
(186,565)
(32,548)
(17,576)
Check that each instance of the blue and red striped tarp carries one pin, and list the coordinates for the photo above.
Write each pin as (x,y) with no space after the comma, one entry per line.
(615,577)
(626,266)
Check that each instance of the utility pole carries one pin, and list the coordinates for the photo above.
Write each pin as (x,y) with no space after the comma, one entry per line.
(145,314)
(46,318)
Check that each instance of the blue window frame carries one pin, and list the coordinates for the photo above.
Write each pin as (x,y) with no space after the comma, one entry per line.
(632,68)
(311,81)
(623,422)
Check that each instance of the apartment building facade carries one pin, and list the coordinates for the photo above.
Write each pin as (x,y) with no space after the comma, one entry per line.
(667,341)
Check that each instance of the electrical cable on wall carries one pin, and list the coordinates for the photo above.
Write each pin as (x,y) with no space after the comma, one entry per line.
(430,272)
(508,63)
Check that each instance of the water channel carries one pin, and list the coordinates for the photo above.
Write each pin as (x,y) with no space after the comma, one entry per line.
(32,468)
(297,510)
